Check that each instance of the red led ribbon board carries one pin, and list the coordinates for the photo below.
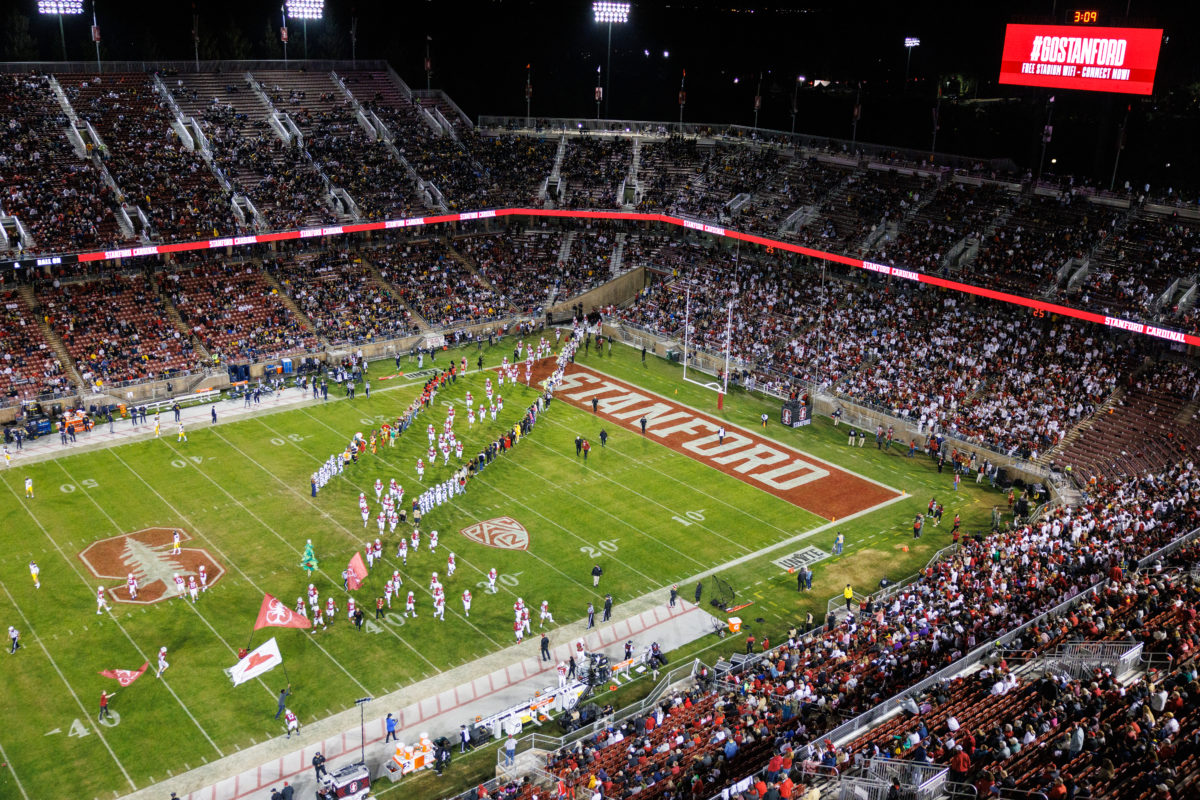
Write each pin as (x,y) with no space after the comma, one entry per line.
(1081,57)
(1037,306)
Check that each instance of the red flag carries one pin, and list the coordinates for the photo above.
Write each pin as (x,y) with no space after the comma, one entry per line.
(125,676)
(358,571)
(274,614)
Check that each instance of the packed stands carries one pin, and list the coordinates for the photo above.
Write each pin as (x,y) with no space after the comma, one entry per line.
(517,263)
(284,187)
(28,365)
(516,167)
(233,311)
(1024,253)
(1155,422)
(437,285)
(784,708)
(171,183)
(60,198)
(342,298)
(116,329)
(593,169)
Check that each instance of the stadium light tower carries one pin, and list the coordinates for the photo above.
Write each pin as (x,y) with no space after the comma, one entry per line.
(909,43)
(60,8)
(306,10)
(606,13)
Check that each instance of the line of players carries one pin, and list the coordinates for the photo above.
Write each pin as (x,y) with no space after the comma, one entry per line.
(190,588)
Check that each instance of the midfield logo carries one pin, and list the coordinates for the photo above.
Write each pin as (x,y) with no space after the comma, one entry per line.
(502,532)
(147,554)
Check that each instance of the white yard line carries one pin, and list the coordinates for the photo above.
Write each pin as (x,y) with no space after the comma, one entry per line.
(82,708)
(735,426)
(13,770)
(227,560)
(308,499)
(83,579)
(117,528)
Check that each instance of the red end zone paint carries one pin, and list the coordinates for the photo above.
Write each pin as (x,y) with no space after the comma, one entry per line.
(763,463)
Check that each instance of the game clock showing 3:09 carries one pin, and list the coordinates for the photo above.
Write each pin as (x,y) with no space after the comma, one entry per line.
(1081,16)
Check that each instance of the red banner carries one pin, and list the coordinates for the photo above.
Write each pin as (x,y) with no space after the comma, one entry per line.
(1079,57)
(125,676)
(358,571)
(274,614)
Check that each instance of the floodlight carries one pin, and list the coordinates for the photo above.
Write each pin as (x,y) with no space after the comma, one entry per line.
(306,9)
(912,41)
(60,6)
(610,12)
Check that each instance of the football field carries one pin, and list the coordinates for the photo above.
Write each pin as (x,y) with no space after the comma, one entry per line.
(651,509)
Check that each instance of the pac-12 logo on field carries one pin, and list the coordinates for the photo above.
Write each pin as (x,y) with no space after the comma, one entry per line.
(503,532)
(147,554)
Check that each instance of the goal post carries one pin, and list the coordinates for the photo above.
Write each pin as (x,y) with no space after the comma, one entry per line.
(720,386)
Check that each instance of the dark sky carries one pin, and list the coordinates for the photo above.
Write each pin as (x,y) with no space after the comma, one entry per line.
(480,50)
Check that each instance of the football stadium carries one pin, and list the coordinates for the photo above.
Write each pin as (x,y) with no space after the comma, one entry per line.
(378,426)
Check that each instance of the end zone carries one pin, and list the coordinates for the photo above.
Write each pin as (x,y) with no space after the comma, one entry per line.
(804,480)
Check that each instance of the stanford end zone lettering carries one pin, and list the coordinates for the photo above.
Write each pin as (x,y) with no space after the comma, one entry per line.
(756,460)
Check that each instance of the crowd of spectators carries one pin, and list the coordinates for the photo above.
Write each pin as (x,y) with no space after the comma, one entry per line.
(28,365)
(517,263)
(116,329)
(762,733)
(1024,254)
(592,170)
(956,211)
(234,313)
(1131,271)
(172,184)
(284,187)
(342,298)
(60,197)
(436,285)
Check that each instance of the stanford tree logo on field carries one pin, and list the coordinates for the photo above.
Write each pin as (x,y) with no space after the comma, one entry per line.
(503,532)
(147,554)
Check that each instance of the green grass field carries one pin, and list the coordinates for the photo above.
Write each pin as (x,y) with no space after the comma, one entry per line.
(241,490)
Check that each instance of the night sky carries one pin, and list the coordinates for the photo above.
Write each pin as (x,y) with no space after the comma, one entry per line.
(480,51)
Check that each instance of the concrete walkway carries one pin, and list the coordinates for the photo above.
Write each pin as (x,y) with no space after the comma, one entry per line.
(194,418)
(436,706)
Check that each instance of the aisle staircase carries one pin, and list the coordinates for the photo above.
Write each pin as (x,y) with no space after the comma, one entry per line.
(52,338)
(174,317)
(421,322)
(618,256)
(290,304)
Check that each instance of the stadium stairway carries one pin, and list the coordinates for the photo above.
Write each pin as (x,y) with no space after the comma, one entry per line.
(470,266)
(175,319)
(422,323)
(290,304)
(51,336)
(1077,431)
(618,256)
